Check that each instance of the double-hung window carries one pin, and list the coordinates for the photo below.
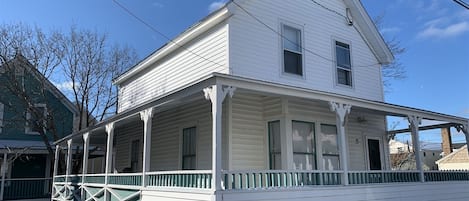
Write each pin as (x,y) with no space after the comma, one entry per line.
(303,139)
(275,152)
(189,148)
(330,148)
(292,50)
(344,66)
(36,119)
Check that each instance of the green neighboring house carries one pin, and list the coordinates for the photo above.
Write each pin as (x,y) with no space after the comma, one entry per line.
(22,86)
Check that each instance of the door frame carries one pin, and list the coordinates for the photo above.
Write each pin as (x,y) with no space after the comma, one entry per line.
(381,153)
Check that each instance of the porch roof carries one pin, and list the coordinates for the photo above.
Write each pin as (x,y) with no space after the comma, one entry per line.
(175,97)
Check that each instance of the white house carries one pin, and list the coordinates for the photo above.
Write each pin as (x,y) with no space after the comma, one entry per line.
(261,100)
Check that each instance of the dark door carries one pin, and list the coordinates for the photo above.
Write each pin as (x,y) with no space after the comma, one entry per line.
(374,155)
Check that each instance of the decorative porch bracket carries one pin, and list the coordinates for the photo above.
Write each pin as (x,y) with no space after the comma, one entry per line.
(110,140)
(216,94)
(465,130)
(146,116)
(342,111)
(414,122)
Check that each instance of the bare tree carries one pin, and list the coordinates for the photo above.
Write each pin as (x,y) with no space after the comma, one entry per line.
(90,64)
(395,70)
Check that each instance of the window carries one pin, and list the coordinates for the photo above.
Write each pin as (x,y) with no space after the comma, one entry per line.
(344,67)
(36,119)
(330,148)
(275,152)
(189,148)
(1,116)
(292,50)
(134,152)
(303,145)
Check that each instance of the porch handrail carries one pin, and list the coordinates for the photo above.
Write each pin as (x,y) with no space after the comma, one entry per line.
(180,172)
(200,179)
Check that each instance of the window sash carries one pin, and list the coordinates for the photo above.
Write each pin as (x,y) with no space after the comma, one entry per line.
(309,148)
(189,148)
(343,64)
(34,129)
(275,152)
(292,50)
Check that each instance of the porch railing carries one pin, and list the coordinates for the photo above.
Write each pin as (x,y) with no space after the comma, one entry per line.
(446,175)
(201,179)
(279,179)
(126,179)
(27,188)
(370,177)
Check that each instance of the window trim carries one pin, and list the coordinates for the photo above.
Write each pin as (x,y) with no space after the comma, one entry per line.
(27,129)
(282,50)
(181,144)
(269,154)
(336,67)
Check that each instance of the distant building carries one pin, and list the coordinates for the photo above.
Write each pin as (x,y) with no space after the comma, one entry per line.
(458,160)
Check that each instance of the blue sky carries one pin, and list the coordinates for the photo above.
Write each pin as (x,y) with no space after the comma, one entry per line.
(434,32)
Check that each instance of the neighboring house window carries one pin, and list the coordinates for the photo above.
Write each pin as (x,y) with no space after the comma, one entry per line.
(189,139)
(344,67)
(36,121)
(292,50)
(304,157)
(275,152)
(1,116)
(330,148)
(134,152)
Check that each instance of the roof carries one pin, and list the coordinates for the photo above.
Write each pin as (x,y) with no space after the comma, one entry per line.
(460,155)
(369,33)
(52,88)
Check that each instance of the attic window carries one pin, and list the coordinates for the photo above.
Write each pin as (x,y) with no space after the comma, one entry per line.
(36,119)
(292,50)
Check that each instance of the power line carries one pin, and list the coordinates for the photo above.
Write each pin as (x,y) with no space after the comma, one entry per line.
(293,42)
(128,11)
(462,3)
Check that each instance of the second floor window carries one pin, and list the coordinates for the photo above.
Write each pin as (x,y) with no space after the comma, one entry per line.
(189,148)
(344,67)
(36,119)
(292,51)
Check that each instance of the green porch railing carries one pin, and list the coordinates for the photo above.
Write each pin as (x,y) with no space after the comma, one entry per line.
(60,178)
(131,179)
(27,188)
(370,177)
(446,175)
(95,178)
(201,179)
(279,179)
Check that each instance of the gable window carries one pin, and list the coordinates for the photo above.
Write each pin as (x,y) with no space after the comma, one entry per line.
(36,119)
(330,148)
(134,152)
(1,116)
(189,148)
(275,152)
(292,50)
(344,67)
(304,154)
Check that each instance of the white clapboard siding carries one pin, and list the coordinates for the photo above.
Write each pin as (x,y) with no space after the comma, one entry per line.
(202,56)
(248,133)
(123,140)
(456,191)
(167,132)
(255,51)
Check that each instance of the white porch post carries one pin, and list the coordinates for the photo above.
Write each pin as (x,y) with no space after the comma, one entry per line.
(146,116)
(84,169)
(56,166)
(4,168)
(216,94)
(69,160)
(414,123)
(342,110)
(110,140)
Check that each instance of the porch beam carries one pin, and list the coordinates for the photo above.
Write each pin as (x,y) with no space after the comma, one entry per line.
(69,159)
(342,111)
(414,122)
(423,128)
(146,116)
(216,94)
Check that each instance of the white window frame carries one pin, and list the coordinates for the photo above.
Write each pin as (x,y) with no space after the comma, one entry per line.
(282,52)
(27,129)
(336,67)
(2,112)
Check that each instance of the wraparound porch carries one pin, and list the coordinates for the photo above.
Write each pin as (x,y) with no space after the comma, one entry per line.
(231,166)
